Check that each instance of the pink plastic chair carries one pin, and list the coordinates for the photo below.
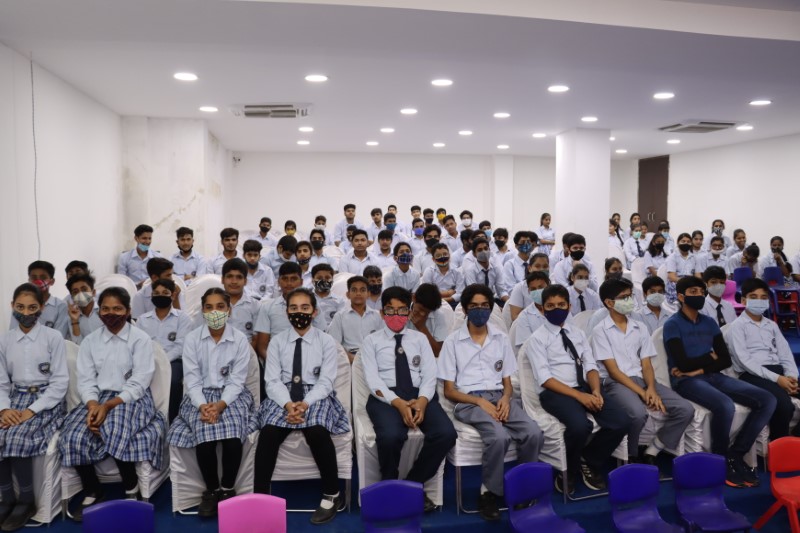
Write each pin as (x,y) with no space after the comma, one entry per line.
(730,296)
(252,513)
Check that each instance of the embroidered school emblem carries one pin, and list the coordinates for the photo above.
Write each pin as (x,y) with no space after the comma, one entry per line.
(498,365)
(332,313)
(262,288)
(248,326)
(172,336)
(225,370)
(128,374)
(296,379)
(416,360)
(44,368)
(49,323)
(316,371)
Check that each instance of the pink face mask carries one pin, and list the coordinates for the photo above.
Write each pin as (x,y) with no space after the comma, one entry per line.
(395,323)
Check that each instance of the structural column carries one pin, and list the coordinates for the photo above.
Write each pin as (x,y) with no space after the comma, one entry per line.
(503,191)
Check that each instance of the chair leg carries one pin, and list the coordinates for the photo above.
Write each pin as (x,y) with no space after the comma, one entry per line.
(348,496)
(792,509)
(564,485)
(458,490)
(769,514)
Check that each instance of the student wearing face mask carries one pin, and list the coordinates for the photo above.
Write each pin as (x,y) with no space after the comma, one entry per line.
(636,246)
(55,313)
(776,258)
(532,317)
(374,287)
(697,354)
(581,297)
(327,302)
(428,218)
(465,218)
(520,295)
(669,242)
(656,255)
(651,314)
(577,255)
(300,373)
(516,268)
(498,244)
(403,275)
(282,253)
(441,214)
(83,315)
(187,263)
(718,229)
(457,258)
(714,257)
(485,227)
(116,416)
(302,254)
(318,255)
(321,224)
(624,348)
(132,263)
(721,311)
(142,302)
(557,254)
(400,370)
(682,263)
(447,279)
(217,406)
(431,234)
(746,258)
(547,235)
(613,269)
(260,279)
(484,272)
(264,236)
(417,239)
(476,365)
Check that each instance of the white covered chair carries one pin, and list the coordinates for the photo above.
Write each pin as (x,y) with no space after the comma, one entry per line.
(177,279)
(294,457)
(615,250)
(115,280)
(339,287)
(582,319)
(333,251)
(638,272)
(193,294)
(149,478)
(496,318)
(187,481)
(506,314)
(367,449)
(449,314)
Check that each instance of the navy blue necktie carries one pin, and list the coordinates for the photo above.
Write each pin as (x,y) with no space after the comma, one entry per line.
(296,391)
(404,387)
(570,348)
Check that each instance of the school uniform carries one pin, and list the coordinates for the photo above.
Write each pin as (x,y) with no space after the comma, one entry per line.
(761,354)
(54,315)
(583,301)
(546,234)
(142,302)
(654,262)
(133,266)
(87,324)
(323,258)
(33,375)
(383,261)
(721,312)
(557,255)
(438,323)
(267,241)
(731,250)
(452,242)
(795,262)
(345,246)
(681,266)
(272,317)
(457,258)
(560,274)
(768,260)
(354,265)
(490,276)
(375,304)
(479,370)
(450,280)
(707,241)
(340,230)
(261,283)
(373,230)
(515,270)
(402,365)
(735,261)
(646,316)
(634,249)
(627,349)
(187,266)
(328,306)
(244,314)
(528,321)
(520,296)
(274,260)
(551,358)
(409,280)
(349,328)
(707,259)
(417,245)
(109,366)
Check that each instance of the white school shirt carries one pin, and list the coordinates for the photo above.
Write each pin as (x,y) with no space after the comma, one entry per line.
(560,274)
(340,230)
(735,261)
(354,265)
(345,246)
(122,363)
(449,281)
(756,344)
(38,357)
(87,324)
(383,261)
(417,245)
(378,357)
(397,278)
(319,365)
(244,314)
(437,323)
(216,365)
(710,310)
(328,306)
(133,266)
(647,317)
(520,296)
(631,252)
(457,258)
(187,266)
(214,264)
(681,266)
(707,242)
(706,259)
(454,243)
(654,262)
(627,349)
(142,303)
(373,230)
(556,255)
(549,358)
(548,234)
(261,283)
(170,333)
(795,262)
(266,242)
(528,321)
(349,329)
(515,270)
(473,367)
(324,258)
(272,317)
(474,273)
(54,315)
(591,300)
(274,260)
(769,261)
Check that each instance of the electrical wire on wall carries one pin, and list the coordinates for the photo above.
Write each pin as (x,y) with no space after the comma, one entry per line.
(35,168)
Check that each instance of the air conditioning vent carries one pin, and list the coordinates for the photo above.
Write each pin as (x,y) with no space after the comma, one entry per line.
(698,126)
(271,110)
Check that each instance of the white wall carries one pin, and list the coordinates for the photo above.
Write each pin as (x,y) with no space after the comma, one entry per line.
(78,145)
(754,186)
(624,187)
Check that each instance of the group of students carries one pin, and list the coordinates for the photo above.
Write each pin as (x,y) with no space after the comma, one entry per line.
(396,325)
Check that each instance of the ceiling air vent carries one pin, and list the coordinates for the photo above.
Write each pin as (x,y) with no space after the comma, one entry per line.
(698,126)
(271,110)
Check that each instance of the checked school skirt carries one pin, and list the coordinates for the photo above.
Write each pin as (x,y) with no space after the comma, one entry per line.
(30,438)
(328,413)
(187,430)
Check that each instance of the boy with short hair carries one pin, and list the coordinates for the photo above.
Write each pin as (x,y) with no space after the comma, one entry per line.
(349,219)
(457,257)
(636,245)
(417,239)
(290,229)
(466,220)
(427,316)
(260,279)
(157,268)
(186,263)
(133,263)
(359,257)
(652,314)
(317,238)
(353,322)
(403,275)
(484,272)
(302,254)
(244,307)
(576,245)
(54,312)
(427,216)
(230,240)
(374,286)
(283,252)
(516,268)
(376,225)
(76,267)
(721,311)
(264,236)
(327,302)
(447,279)
(382,249)
(83,315)
(347,244)
(532,317)
(320,223)
(441,214)
(451,236)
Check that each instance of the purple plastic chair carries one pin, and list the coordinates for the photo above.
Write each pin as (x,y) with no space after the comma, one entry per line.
(120,516)
(699,479)
(633,491)
(528,493)
(252,513)
(740,274)
(393,506)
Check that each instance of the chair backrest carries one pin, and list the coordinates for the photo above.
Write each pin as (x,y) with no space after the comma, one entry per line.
(73,397)
(633,483)
(698,471)
(253,383)
(784,455)
(449,314)
(730,293)
(660,361)
(177,279)
(527,380)
(162,377)
(742,273)
(120,516)
(582,319)
(512,337)
(115,280)
(360,388)
(526,482)
(394,501)
(195,291)
(333,251)
(506,313)
(772,275)
(339,287)
(252,513)
(638,271)
(343,385)
(615,250)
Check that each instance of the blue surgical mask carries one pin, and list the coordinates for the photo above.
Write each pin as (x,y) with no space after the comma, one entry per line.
(536,296)
(525,248)
(391,226)
(488,233)
(419,231)
(143,247)
(757,307)
(479,317)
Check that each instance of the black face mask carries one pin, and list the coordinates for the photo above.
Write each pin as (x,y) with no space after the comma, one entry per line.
(428,221)
(430,243)
(323,285)
(317,245)
(161,302)
(577,255)
(777,250)
(375,288)
(264,229)
(684,247)
(695,302)
(499,243)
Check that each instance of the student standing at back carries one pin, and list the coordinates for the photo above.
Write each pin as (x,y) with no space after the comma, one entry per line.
(547,235)
(186,263)
(132,263)
(349,219)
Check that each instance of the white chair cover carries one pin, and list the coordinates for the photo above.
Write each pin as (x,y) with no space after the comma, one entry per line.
(340,284)
(367,449)
(449,314)
(506,314)
(496,318)
(193,294)
(638,272)
(177,279)
(333,251)
(615,250)
(149,478)
(582,319)
(115,280)
(187,482)
(662,272)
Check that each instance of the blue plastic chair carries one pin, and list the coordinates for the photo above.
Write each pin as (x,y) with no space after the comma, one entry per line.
(741,274)
(772,275)
(528,493)
(633,491)
(120,516)
(699,479)
(392,506)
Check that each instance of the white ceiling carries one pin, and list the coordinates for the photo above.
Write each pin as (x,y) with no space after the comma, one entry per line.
(379,60)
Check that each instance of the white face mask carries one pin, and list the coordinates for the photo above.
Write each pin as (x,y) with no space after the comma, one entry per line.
(467,222)
(320,226)
(82,299)
(655,299)
(624,306)
(757,307)
(716,290)
(581,284)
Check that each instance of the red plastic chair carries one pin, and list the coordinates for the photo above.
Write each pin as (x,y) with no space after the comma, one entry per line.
(784,456)
(730,296)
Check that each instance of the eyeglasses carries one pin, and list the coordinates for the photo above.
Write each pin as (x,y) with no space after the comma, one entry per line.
(391,311)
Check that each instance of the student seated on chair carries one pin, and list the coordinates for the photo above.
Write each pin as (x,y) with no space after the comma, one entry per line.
(636,246)
(117,416)
(283,253)
(54,312)
(577,255)
(264,236)
(569,387)
(340,230)
(776,258)
(652,314)
(698,241)
(739,242)
(260,279)
(82,310)
(680,264)
(74,268)
(382,250)
(476,364)
(402,275)
(697,354)
(613,270)
(132,263)
(746,258)
(531,317)
(432,234)
(520,295)
(327,302)
(290,229)
(168,327)
(302,253)
(374,287)
(465,252)
(244,307)
(417,240)
(581,297)
(186,262)
(718,229)
(656,255)
(447,279)
(317,238)
(483,271)
(428,318)
(300,373)
(229,238)
(761,353)
(376,226)
(347,244)
(451,236)
(721,311)
(359,257)
(33,384)
(715,256)
(516,268)
(142,302)
(562,252)
(498,245)
(400,370)
(624,348)
(353,322)
(217,405)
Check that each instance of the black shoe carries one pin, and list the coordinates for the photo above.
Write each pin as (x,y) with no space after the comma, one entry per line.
(77,514)
(226,494)
(487,507)
(591,478)
(322,515)
(559,483)
(19,516)
(208,504)
(429,505)
(733,477)
(6,509)
(749,475)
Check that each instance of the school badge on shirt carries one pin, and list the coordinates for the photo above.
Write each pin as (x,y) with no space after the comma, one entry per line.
(128,374)
(44,368)
(248,326)
(416,360)
(172,336)
(316,371)
(262,288)
(49,323)
(498,365)
(225,370)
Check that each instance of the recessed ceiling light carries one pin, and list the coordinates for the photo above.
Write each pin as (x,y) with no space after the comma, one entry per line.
(305,129)
(502,114)
(438,145)
(674,141)
(316,78)
(465,133)
(744,127)
(621,151)
(539,135)
(502,147)
(372,143)
(208,109)
(185,76)
(408,111)
(558,88)
(612,138)
(760,102)
(387,130)
(664,96)
(442,83)
(303,143)
(588,119)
